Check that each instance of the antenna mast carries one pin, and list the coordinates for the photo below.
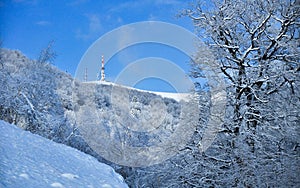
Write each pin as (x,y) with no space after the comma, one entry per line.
(85,75)
(102,70)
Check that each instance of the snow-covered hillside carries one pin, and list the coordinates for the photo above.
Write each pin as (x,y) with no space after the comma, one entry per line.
(41,99)
(46,101)
(176,96)
(28,160)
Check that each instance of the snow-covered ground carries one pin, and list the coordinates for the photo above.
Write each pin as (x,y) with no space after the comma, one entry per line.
(176,96)
(28,160)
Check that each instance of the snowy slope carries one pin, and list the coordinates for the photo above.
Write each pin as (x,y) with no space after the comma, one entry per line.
(28,160)
(176,96)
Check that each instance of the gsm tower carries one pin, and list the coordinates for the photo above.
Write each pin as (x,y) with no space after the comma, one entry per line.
(102,70)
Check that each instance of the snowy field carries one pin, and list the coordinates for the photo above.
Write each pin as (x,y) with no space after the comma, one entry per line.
(28,160)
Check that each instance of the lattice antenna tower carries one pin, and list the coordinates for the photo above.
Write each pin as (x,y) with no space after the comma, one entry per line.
(85,75)
(102,70)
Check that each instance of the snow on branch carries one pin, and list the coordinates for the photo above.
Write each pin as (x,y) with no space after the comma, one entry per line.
(27,100)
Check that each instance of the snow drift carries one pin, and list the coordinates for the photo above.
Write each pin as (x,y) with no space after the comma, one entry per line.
(28,160)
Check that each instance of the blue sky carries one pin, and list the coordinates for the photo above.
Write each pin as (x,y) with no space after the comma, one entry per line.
(29,25)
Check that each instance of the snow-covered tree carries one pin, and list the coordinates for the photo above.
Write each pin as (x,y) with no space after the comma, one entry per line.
(47,55)
(256,44)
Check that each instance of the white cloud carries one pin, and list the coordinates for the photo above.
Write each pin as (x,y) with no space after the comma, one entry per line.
(43,23)
(94,27)
(128,5)
(138,5)
(152,17)
(119,20)
(94,23)
(30,2)
(18,1)
(167,2)
(77,2)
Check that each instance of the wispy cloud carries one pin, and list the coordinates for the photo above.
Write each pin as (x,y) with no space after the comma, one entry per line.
(152,17)
(30,2)
(167,2)
(128,5)
(77,2)
(119,20)
(18,1)
(138,5)
(94,27)
(43,23)
(94,23)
